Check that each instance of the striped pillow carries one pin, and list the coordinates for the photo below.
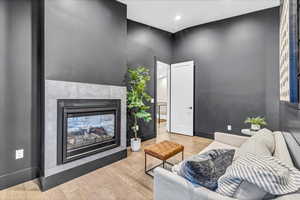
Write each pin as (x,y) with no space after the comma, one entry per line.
(266,172)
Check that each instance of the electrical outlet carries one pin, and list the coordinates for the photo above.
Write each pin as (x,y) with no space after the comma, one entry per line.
(229,127)
(19,154)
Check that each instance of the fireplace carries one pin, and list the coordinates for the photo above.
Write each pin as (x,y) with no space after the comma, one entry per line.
(86,127)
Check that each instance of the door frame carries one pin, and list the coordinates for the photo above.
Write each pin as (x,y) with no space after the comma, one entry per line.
(194,81)
(155,96)
(170,99)
(155,93)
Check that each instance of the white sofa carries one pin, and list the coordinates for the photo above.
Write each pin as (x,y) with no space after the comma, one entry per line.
(170,186)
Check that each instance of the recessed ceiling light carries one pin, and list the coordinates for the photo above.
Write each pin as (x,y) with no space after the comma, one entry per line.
(177,18)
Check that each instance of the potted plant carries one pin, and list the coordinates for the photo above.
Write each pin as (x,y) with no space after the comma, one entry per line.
(256,122)
(137,97)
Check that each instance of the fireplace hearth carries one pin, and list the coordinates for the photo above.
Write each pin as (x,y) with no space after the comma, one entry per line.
(86,127)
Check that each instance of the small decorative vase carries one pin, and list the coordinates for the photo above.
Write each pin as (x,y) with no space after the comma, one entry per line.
(255,127)
(135,144)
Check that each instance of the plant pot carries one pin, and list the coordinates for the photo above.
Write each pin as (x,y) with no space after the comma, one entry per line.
(135,144)
(255,127)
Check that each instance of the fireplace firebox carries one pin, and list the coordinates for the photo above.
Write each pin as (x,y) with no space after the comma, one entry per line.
(86,127)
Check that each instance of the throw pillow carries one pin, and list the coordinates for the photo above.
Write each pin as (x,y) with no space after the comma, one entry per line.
(262,143)
(266,172)
(205,169)
(267,137)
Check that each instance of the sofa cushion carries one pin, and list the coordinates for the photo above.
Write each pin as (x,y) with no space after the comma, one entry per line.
(292,196)
(249,191)
(261,143)
(281,150)
(205,169)
(294,148)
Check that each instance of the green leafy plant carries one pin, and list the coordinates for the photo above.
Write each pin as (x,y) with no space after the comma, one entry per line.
(256,120)
(137,97)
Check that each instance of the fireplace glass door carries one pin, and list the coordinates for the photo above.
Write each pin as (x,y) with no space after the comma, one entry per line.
(89,128)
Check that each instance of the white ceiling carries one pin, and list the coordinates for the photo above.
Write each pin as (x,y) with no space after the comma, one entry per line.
(161,13)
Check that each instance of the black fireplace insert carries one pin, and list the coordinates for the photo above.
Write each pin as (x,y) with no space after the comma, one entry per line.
(86,127)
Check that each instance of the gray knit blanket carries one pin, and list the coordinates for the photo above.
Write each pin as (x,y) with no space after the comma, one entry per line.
(266,172)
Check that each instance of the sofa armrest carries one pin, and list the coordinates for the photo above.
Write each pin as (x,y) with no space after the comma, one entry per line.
(169,186)
(230,139)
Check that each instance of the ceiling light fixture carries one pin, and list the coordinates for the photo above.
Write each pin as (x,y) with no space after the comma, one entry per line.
(177,18)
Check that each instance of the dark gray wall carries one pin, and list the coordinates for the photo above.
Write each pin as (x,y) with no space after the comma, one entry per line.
(18,94)
(290,119)
(143,44)
(85,41)
(236,70)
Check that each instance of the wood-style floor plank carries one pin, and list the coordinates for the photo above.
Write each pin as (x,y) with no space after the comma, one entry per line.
(122,180)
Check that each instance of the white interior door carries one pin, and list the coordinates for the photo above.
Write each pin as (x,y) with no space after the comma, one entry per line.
(182,98)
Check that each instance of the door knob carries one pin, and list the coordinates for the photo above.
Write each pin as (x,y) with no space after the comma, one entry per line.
(190,107)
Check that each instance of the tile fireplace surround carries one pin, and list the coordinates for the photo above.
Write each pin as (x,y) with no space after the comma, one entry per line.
(55,90)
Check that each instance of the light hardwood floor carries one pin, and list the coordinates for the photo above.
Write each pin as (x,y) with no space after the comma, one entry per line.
(123,180)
